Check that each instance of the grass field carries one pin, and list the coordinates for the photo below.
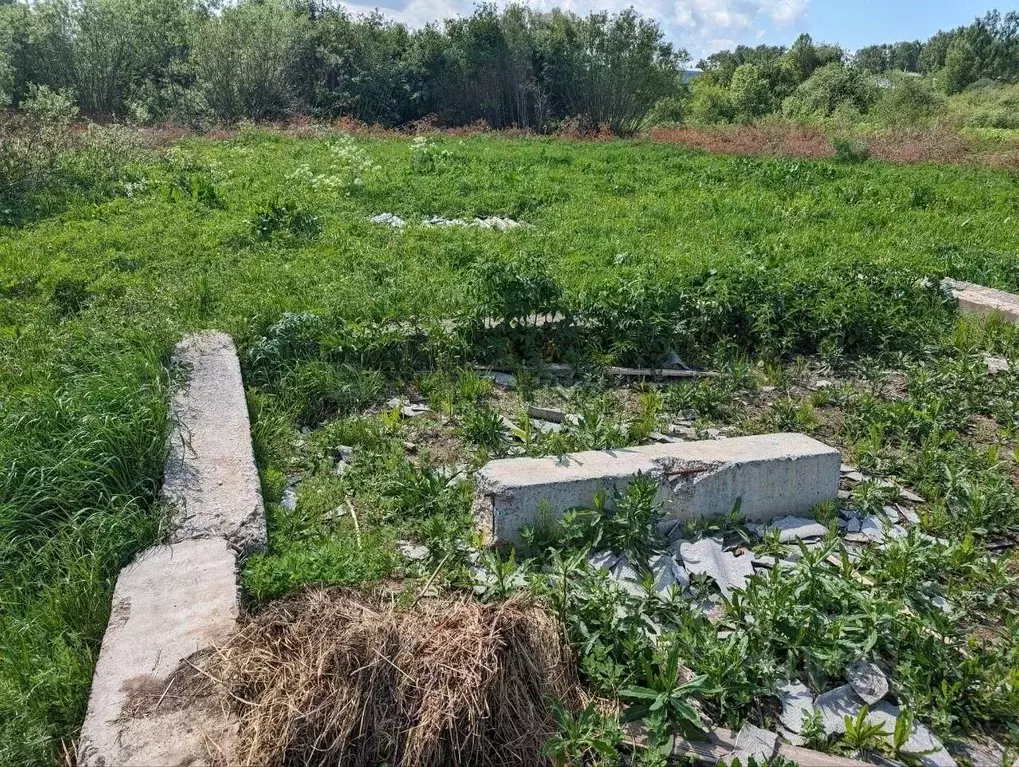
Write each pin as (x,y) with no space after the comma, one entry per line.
(738,263)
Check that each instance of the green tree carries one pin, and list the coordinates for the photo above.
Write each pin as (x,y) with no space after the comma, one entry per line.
(750,93)
(961,65)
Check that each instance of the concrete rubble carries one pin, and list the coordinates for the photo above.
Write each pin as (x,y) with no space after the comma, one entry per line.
(496,223)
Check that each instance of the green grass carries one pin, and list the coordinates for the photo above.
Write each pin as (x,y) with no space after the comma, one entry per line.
(768,257)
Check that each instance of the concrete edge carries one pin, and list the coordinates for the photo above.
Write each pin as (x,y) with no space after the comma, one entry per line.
(178,599)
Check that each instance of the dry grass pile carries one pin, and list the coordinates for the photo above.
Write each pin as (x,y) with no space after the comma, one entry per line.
(334,677)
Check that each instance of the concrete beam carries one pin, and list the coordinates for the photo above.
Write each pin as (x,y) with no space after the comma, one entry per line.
(210,474)
(773,475)
(979,300)
(170,603)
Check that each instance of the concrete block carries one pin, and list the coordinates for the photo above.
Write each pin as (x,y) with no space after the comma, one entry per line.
(977,299)
(170,603)
(774,475)
(210,473)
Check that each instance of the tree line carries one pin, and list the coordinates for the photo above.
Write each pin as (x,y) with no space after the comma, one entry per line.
(190,61)
(199,62)
(902,82)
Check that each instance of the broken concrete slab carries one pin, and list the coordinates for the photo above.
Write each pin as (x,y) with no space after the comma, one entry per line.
(983,301)
(754,743)
(996,365)
(771,475)
(797,705)
(708,557)
(602,560)
(170,603)
(793,529)
(209,474)
(867,680)
(628,578)
(668,573)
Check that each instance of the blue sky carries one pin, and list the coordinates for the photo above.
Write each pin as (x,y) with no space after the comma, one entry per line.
(704,26)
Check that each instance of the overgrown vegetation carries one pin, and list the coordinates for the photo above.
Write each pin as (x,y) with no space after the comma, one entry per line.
(646,250)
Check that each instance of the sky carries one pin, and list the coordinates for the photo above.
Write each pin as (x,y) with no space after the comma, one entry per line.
(705,26)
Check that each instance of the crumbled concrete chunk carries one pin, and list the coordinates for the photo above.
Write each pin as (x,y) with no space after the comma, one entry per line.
(873,529)
(668,573)
(835,705)
(868,681)
(602,560)
(910,496)
(289,500)
(505,380)
(942,604)
(754,743)
(797,705)
(707,557)
(389,219)
(413,551)
(794,528)
(628,578)
(550,414)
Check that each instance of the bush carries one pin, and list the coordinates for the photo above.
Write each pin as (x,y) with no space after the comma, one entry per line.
(848,151)
(710,103)
(830,89)
(986,104)
(908,101)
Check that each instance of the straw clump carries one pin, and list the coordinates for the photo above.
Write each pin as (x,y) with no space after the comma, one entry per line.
(335,677)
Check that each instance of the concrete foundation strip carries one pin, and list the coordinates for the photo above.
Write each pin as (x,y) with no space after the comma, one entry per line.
(771,475)
(983,301)
(176,600)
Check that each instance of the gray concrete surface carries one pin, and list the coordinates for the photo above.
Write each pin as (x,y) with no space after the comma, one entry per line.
(977,299)
(774,475)
(172,602)
(210,474)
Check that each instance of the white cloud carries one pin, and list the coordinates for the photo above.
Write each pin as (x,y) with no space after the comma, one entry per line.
(700,26)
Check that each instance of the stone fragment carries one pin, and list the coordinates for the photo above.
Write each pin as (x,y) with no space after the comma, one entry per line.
(908,495)
(505,380)
(667,573)
(754,743)
(873,529)
(909,515)
(628,578)
(996,365)
(707,557)
(794,528)
(853,525)
(413,551)
(942,604)
(868,681)
(835,705)
(854,476)
(797,705)
(602,560)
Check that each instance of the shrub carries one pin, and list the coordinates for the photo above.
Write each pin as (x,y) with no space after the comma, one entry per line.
(710,103)
(830,88)
(908,101)
(849,151)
